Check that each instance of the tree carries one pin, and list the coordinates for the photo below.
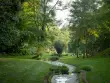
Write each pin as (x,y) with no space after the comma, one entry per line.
(10,35)
(37,17)
(83,18)
(103,40)
(59,46)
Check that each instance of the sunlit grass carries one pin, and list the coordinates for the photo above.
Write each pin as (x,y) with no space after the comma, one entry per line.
(101,68)
(22,71)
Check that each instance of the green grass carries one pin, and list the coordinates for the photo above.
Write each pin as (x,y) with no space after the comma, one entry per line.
(46,56)
(22,70)
(100,68)
(17,57)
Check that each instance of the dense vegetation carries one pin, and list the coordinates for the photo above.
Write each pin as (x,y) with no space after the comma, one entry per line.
(31,25)
(29,29)
(90,26)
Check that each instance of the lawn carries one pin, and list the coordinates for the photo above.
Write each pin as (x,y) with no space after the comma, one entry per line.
(22,70)
(17,56)
(46,56)
(100,68)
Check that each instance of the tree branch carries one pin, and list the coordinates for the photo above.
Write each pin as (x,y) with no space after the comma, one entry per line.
(54,6)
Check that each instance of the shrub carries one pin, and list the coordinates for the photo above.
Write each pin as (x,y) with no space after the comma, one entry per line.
(106,52)
(55,70)
(64,70)
(54,58)
(77,70)
(59,70)
(36,57)
(59,46)
(86,68)
(66,54)
(55,55)
(24,52)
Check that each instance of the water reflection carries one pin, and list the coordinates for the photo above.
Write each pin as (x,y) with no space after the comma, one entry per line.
(71,78)
(61,79)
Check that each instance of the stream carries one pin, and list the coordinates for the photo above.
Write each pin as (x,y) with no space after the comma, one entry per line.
(71,78)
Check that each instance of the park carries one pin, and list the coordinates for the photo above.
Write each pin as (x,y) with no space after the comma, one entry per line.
(54,41)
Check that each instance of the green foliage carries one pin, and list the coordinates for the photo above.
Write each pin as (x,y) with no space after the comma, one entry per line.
(59,46)
(103,40)
(54,58)
(59,70)
(37,18)
(12,38)
(24,52)
(45,56)
(90,26)
(83,20)
(9,34)
(54,34)
(36,57)
(64,70)
(77,70)
(54,69)
(86,68)
(23,23)
(67,54)
(104,53)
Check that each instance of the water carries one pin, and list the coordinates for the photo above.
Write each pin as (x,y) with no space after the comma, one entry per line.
(72,78)
(61,79)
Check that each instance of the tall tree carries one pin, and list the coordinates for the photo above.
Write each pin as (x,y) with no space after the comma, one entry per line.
(82,14)
(102,42)
(10,35)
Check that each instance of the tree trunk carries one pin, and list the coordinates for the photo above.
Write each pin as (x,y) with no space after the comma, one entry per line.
(77,53)
(77,45)
(86,37)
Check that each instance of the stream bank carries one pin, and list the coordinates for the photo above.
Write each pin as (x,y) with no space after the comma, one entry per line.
(65,78)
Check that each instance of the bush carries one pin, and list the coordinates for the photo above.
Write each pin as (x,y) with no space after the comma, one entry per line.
(59,70)
(86,68)
(36,57)
(55,55)
(24,52)
(54,58)
(64,70)
(54,70)
(77,70)
(106,52)
(66,54)
(59,46)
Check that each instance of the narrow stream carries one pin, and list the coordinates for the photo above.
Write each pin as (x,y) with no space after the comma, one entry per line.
(71,78)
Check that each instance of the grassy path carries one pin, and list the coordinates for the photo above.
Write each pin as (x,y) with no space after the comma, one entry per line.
(22,71)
